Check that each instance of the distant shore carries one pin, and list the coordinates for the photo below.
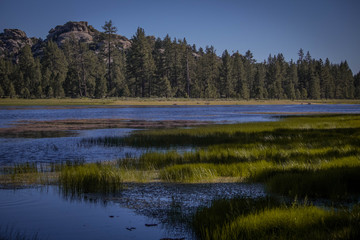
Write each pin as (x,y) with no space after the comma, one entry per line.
(162,101)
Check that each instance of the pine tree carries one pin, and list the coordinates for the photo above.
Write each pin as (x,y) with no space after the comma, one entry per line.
(302,75)
(314,82)
(191,78)
(141,66)
(163,87)
(259,82)
(54,69)
(249,66)
(118,86)
(81,78)
(226,76)
(100,80)
(326,81)
(275,77)
(31,73)
(208,74)
(291,81)
(109,30)
(241,84)
(6,71)
(357,85)
(347,79)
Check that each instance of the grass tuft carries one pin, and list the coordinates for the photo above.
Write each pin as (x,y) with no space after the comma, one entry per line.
(267,218)
(94,178)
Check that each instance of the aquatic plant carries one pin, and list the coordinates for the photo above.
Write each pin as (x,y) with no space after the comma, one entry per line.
(306,129)
(94,177)
(268,218)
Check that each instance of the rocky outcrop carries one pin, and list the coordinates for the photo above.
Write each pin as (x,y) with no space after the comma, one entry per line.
(85,33)
(13,40)
(79,30)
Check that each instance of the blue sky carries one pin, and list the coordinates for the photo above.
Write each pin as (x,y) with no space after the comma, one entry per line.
(326,28)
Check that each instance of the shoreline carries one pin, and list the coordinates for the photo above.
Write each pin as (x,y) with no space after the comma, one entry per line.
(162,102)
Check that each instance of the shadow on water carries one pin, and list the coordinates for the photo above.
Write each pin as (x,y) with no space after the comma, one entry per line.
(169,205)
(137,211)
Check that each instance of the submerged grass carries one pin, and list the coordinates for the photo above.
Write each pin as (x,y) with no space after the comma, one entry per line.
(267,218)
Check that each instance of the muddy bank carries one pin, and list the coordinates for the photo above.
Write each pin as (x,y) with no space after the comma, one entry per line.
(62,128)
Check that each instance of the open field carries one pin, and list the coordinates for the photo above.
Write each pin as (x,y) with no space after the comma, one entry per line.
(160,101)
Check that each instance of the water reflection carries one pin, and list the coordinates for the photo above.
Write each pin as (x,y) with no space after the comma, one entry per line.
(165,208)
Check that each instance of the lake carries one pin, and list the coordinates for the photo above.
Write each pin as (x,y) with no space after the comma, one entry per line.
(17,150)
(51,214)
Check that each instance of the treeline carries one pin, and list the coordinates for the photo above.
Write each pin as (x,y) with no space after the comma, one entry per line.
(169,68)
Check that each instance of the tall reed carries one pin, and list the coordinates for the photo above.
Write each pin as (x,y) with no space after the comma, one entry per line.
(95,177)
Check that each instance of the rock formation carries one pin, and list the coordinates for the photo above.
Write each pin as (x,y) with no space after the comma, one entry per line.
(79,30)
(13,40)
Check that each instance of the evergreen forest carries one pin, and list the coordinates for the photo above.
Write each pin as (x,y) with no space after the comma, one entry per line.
(169,68)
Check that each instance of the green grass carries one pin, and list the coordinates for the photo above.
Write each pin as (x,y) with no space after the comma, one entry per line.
(93,178)
(316,156)
(286,132)
(267,218)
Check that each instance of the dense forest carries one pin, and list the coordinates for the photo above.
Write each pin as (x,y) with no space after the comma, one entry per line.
(168,67)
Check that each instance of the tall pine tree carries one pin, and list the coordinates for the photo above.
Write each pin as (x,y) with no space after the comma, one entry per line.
(141,65)
(54,69)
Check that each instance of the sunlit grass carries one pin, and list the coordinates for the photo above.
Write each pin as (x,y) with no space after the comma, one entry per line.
(267,218)
(302,155)
(102,178)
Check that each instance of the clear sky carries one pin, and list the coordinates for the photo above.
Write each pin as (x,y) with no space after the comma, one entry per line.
(326,28)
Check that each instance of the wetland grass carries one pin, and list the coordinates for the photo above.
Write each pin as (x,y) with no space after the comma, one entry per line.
(311,156)
(268,218)
(90,178)
(28,174)
(294,156)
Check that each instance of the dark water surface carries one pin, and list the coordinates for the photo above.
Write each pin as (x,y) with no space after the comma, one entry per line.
(47,213)
(17,150)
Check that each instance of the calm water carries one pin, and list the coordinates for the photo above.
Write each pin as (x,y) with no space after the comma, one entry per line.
(15,150)
(46,212)
(50,214)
